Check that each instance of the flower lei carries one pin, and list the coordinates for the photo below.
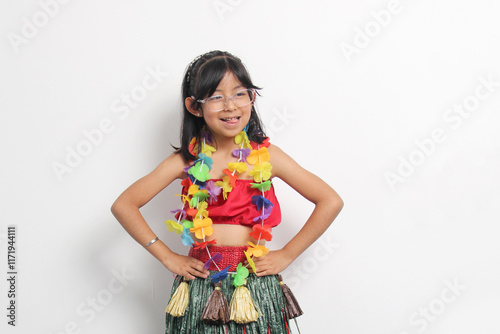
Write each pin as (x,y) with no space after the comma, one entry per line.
(201,190)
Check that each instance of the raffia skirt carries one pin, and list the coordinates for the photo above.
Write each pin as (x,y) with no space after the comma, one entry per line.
(265,291)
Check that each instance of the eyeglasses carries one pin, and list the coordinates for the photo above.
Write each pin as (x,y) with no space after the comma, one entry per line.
(218,102)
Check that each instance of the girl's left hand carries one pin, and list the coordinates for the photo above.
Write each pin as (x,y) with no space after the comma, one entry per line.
(272,263)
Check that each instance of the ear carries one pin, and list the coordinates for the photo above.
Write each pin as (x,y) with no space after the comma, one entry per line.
(193,110)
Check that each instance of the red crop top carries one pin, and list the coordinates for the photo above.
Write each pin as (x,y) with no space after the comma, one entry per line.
(238,208)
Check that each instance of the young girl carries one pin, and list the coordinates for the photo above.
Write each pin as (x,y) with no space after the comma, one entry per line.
(229,282)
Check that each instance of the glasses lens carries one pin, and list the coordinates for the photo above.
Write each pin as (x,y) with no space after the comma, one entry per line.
(216,103)
(243,97)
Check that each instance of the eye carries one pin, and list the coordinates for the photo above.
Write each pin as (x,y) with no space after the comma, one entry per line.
(216,98)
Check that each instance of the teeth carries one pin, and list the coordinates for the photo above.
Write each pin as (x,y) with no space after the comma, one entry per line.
(230,118)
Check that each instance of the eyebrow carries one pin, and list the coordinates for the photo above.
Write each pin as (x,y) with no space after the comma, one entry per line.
(239,86)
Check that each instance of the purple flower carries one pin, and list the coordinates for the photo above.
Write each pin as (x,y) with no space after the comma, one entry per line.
(213,191)
(215,258)
(245,152)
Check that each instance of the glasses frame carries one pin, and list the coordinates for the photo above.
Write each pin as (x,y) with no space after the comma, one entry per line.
(251,90)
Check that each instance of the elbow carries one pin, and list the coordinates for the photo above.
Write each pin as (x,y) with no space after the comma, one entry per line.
(117,208)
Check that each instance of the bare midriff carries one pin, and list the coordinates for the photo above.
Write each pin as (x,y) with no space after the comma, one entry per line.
(232,235)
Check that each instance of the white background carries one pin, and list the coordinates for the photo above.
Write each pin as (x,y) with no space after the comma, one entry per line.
(386,263)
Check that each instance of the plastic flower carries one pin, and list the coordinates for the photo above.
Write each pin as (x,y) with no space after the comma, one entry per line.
(257,250)
(187,240)
(202,228)
(258,156)
(241,153)
(265,143)
(219,276)
(174,226)
(215,258)
(199,196)
(242,141)
(261,202)
(226,186)
(213,191)
(261,232)
(200,171)
(187,223)
(241,274)
(263,186)
(239,167)
(261,172)
(207,150)
(250,262)
(201,245)
(179,214)
(206,160)
(232,177)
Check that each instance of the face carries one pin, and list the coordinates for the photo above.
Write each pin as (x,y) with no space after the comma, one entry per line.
(230,121)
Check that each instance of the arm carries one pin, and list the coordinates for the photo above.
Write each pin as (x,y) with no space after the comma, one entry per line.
(328,205)
(126,210)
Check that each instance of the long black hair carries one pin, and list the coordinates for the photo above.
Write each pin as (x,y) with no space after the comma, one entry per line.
(201,79)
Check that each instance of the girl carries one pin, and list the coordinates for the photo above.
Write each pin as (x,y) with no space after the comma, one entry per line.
(228,208)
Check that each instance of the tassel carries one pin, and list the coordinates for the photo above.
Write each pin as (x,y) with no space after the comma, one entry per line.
(242,306)
(216,309)
(179,301)
(292,307)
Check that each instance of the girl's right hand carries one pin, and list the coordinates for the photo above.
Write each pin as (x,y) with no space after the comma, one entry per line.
(186,266)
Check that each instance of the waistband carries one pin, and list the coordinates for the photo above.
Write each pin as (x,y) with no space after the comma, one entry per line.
(231,256)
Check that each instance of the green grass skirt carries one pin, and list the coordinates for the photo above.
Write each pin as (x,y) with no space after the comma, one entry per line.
(267,296)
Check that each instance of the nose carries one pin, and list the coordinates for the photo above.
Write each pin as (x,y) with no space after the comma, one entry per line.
(231,106)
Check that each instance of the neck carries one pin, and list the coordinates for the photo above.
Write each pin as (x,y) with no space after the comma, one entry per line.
(224,144)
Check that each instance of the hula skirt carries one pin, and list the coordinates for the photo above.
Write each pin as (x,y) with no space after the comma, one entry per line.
(266,293)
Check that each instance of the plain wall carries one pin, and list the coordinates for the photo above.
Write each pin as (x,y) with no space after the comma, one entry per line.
(394,103)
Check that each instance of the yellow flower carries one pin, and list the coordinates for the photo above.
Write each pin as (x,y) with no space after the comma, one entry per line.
(226,186)
(202,210)
(174,226)
(193,189)
(257,250)
(261,172)
(207,150)
(242,141)
(240,167)
(258,156)
(202,228)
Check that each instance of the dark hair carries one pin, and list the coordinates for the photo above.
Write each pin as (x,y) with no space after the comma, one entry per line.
(201,79)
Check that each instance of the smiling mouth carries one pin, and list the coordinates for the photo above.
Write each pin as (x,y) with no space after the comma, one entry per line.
(230,119)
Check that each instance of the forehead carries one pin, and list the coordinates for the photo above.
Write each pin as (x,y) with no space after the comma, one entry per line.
(229,82)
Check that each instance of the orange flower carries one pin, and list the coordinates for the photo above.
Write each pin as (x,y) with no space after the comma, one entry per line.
(257,250)
(258,156)
(202,228)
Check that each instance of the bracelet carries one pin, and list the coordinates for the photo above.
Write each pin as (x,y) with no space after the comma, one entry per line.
(152,242)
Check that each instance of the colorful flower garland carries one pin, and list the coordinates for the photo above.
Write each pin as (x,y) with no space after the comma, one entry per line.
(201,190)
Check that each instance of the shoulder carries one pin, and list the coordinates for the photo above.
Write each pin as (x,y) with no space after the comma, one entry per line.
(173,166)
(281,162)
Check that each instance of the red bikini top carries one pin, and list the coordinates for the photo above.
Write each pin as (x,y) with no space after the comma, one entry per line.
(238,208)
